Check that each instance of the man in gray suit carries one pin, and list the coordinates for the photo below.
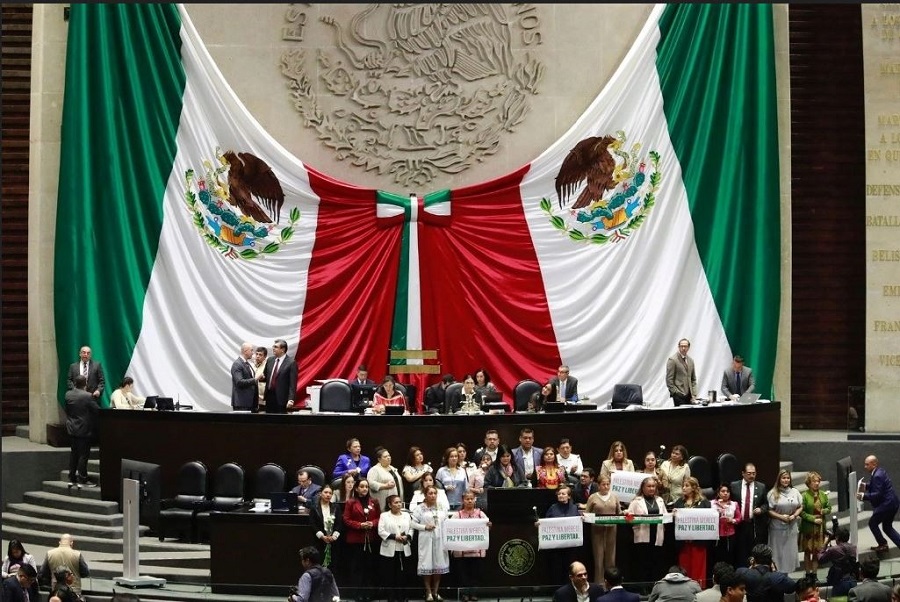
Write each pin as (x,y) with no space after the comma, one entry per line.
(681,378)
(90,369)
(738,380)
(870,589)
(81,417)
(244,391)
(527,456)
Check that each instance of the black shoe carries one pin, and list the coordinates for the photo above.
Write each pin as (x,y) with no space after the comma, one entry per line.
(88,484)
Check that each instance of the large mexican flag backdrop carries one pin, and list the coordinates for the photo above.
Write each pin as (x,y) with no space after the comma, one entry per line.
(185,229)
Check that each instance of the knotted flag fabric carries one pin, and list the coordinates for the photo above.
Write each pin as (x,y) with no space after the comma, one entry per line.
(195,230)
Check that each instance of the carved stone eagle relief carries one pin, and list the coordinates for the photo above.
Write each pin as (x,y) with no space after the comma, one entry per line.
(415,90)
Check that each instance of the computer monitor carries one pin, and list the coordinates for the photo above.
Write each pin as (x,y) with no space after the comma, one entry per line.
(361,395)
(148,475)
(165,404)
(150,402)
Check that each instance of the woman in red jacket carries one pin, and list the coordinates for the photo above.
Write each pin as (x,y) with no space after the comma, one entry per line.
(361,514)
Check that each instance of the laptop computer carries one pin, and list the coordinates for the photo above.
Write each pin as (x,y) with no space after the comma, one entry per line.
(150,402)
(748,398)
(394,410)
(283,501)
(553,407)
(493,397)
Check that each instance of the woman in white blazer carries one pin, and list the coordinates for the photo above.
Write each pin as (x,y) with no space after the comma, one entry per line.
(395,532)
(648,539)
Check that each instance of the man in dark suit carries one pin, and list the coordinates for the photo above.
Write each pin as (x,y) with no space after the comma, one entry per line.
(566,386)
(765,583)
(681,377)
(435,395)
(870,589)
(526,455)
(754,527)
(22,586)
(306,491)
(362,377)
(880,493)
(81,416)
(738,380)
(587,485)
(281,379)
(612,577)
(578,583)
(244,394)
(90,369)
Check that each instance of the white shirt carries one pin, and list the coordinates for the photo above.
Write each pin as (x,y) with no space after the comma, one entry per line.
(529,462)
(568,463)
(561,390)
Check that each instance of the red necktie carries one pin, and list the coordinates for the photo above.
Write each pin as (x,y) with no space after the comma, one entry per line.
(748,504)
(274,372)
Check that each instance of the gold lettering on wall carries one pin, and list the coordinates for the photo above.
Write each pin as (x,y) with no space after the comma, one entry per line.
(886,255)
(890,290)
(887,326)
(882,189)
(883,221)
(892,361)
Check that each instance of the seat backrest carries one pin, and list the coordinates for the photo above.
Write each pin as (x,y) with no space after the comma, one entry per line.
(701,470)
(729,468)
(625,395)
(451,393)
(192,479)
(269,478)
(335,397)
(316,475)
(522,393)
(229,481)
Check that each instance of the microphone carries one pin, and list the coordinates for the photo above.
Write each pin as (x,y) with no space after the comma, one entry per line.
(662,451)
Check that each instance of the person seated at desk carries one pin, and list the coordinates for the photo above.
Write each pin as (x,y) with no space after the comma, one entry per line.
(435,395)
(483,384)
(362,377)
(539,398)
(566,386)
(387,395)
(306,491)
(504,472)
(353,461)
(468,401)
(124,399)
(738,380)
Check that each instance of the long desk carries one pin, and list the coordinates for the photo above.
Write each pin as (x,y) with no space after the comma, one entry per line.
(170,439)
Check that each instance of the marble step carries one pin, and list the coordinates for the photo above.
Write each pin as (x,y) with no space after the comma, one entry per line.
(67,501)
(90,518)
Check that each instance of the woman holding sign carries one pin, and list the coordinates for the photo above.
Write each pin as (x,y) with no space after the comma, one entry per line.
(559,559)
(647,557)
(433,558)
(469,562)
(603,537)
(692,554)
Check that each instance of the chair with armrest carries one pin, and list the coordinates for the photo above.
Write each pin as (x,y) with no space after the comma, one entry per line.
(702,470)
(269,478)
(625,395)
(228,494)
(178,514)
(522,393)
(729,468)
(451,393)
(316,474)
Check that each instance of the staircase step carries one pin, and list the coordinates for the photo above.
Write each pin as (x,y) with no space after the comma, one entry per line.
(62,487)
(71,501)
(55,526)
(97,544)
(23,430)
(89,518)
(174,574)
(94,476)
(94,466)
(786,465)
(188,560)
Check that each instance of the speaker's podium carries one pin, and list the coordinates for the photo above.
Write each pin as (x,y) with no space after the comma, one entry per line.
(416,365)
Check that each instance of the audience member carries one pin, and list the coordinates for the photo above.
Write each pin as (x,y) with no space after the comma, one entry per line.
(452,477)
(615,591)
(316,582)
(729,516)
(433,560)
(603,537)
(675,586)
(504,472)
(124,398)
(617,459)
(880,493)
(64,579)
(65,555)
(750,495)
(734,587)
(15,557)
(815,512)
(807,589)
(714,593)
(844,570)
(395,531)
(526,456)
(785,506)
(353,461)
(870,589)
(21,586)
(469,562)
(578,588)
(765,583)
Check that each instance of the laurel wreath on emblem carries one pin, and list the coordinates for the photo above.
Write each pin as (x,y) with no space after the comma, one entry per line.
(516,557)
(248,233)
(615,212)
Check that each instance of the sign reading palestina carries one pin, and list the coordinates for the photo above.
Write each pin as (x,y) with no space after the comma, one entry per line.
(236,206)
(618,190)
(465,534)
(696,524)
(564,532)
(626,484)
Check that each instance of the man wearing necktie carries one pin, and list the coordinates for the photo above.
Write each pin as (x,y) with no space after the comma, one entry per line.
(750,494)
(90,369)
(738,380)
(243,381)
(681,378)
(306,491)
(281,379)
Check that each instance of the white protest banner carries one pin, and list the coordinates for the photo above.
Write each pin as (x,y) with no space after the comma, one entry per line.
(626,484)
(465,534)
(565,532)
(696,524)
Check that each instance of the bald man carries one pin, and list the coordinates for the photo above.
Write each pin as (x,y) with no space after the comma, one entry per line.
(880,493)
(244,393)
(578,585)
(65,555)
